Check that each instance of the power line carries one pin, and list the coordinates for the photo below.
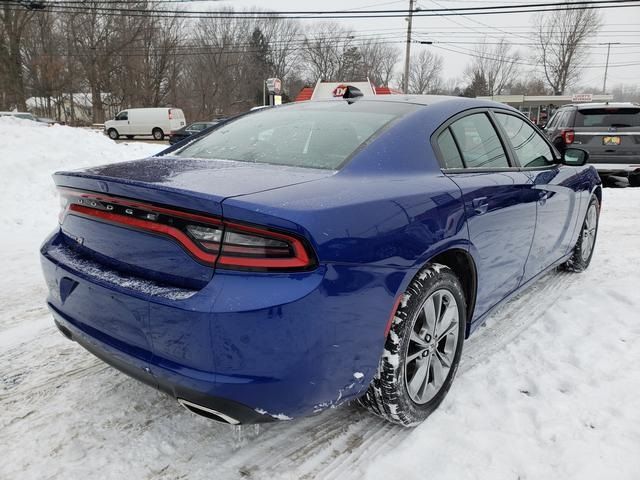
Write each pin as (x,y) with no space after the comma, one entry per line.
(69,6)
(471,53)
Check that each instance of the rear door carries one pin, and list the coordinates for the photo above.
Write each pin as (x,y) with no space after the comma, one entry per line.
(611,135)
(555,190)
(500,213)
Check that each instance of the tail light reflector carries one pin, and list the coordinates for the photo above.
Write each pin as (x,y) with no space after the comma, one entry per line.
(209,239)
(568,136)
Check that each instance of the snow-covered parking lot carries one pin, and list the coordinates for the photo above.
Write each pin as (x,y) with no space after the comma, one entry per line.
(548,389)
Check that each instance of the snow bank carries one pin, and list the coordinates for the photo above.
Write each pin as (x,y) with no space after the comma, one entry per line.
(30,154)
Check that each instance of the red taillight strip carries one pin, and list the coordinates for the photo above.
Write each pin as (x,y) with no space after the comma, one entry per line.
(300,260)
(166,230)
(144,206)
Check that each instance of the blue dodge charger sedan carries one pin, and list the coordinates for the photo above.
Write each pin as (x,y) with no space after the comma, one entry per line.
(299,257)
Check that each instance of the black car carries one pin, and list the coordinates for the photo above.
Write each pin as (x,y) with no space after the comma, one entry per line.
(610,132)
(179,135)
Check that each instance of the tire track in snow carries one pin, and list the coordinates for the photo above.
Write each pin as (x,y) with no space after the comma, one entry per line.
(502,328)
(338,443)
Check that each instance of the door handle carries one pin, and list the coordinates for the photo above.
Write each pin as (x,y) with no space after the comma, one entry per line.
(480,205)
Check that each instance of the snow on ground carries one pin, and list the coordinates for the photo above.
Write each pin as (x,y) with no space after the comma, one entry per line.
(547,390)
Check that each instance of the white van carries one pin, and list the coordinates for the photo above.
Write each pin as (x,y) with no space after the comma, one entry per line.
(157,122)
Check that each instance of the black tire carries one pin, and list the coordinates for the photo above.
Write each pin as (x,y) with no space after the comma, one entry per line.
(158,134)
(113,134)
(388,395)
(580,259)
(130,137)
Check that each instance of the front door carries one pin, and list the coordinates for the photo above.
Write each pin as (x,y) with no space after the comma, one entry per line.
(555,191)
(121,123)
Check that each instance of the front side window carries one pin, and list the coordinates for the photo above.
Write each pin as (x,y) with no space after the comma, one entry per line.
(479,143)
(530,148)
(553,120)
(315,135)
(122,116)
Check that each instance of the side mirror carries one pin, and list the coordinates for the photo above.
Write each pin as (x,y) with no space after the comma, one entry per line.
(575,157)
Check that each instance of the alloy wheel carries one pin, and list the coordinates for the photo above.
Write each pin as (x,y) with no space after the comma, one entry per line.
(589,232)
(432,346)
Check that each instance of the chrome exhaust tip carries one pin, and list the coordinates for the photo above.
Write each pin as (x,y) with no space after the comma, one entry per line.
(207,412)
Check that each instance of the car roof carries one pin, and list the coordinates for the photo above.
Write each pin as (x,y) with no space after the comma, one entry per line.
(587,106)
(428,100)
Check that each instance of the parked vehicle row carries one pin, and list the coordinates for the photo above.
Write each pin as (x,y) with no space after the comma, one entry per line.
(28,116)
(610,132)
(299,257)
(191,129)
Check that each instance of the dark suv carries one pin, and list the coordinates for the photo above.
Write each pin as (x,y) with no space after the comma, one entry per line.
(610,132)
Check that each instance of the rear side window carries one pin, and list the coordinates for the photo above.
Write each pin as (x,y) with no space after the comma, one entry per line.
(608,117)
(316,135)
(479,143)
(449,150)
(530,148)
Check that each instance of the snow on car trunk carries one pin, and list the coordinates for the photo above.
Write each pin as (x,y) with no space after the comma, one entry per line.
(548,389)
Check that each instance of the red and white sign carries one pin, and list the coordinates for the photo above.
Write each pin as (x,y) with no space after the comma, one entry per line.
(582,98)
(340,90)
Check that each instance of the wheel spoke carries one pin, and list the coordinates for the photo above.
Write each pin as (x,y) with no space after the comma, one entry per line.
(417,339)
(444,359)
(430,315)
(412,357)
(419,377)
(448,322)
(438,372)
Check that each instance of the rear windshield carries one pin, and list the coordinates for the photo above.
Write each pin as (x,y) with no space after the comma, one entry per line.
(608,117)
(309,134)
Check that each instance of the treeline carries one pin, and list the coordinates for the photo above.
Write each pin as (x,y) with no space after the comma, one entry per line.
(206,66)
(82,61)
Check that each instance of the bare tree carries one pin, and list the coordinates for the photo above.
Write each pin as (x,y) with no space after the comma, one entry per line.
(283,37)
(425,73)
(98,40)
(148,63)
(378,61)
(561,41)
(327,51)
(497,65)
(13,21)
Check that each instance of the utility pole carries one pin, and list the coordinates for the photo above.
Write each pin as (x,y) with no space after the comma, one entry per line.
(606,68)
(405,83)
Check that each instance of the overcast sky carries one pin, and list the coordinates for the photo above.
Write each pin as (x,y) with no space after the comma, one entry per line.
(620,25)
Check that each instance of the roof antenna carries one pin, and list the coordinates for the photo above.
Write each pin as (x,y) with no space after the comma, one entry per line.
(352,93)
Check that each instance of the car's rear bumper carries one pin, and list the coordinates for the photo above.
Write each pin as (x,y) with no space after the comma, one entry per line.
(254,347)
(225,410)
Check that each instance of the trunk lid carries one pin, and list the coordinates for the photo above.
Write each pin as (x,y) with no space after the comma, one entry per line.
(195,188)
